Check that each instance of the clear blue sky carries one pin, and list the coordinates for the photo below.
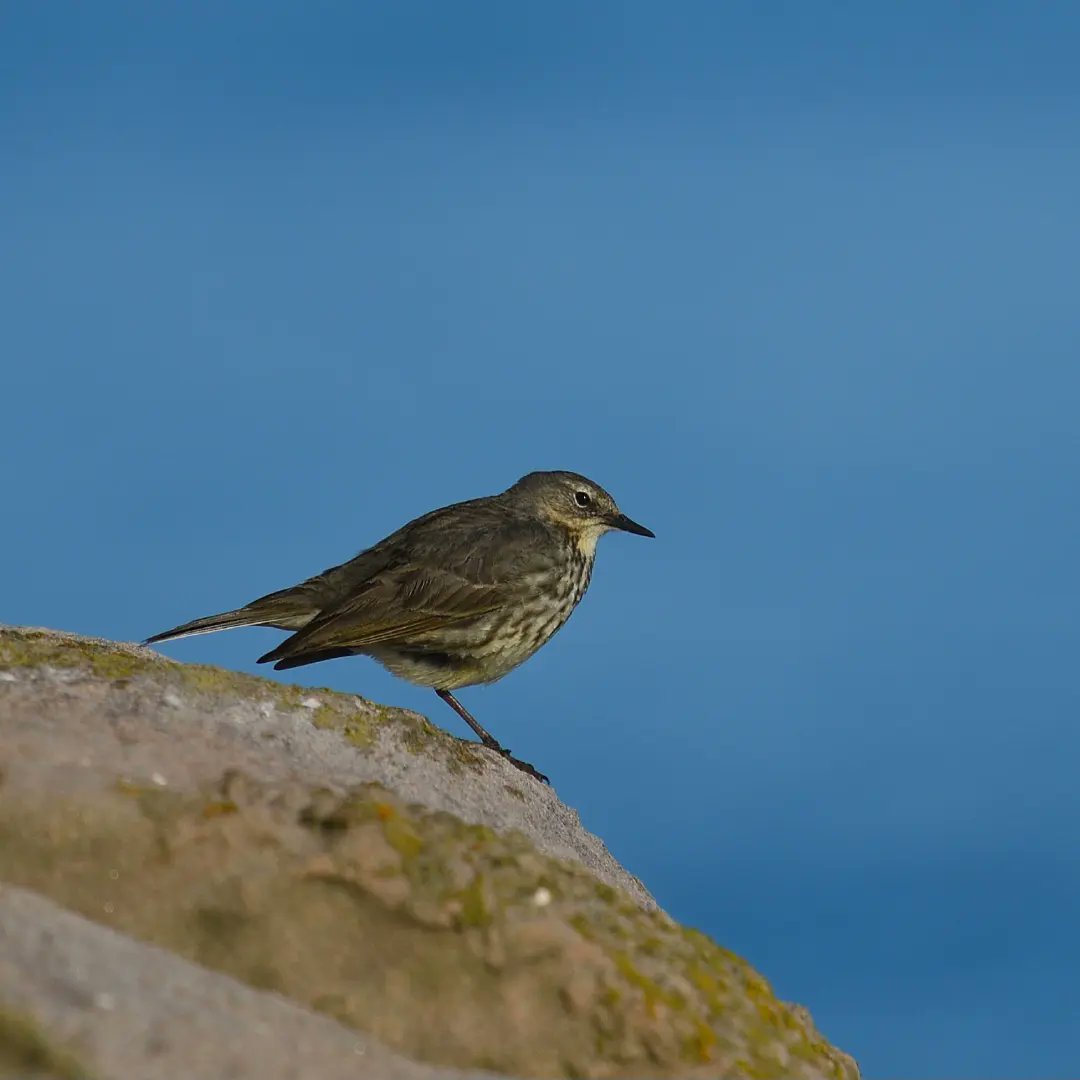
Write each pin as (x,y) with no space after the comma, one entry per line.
(796,282)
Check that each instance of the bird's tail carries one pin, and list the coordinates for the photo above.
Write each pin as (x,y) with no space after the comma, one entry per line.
(211,623)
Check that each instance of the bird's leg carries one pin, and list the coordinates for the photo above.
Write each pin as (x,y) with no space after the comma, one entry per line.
(487,738)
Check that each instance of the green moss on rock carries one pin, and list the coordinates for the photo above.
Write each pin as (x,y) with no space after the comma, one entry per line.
(28,1053)
(38,648)
(358,721)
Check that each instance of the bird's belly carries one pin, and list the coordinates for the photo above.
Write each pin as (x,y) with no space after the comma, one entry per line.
(479,651)
(443,671)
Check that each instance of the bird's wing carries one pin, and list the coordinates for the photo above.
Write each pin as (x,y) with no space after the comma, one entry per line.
(397,605)
(451,565)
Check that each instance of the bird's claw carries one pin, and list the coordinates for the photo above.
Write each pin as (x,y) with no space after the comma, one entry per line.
(524,766)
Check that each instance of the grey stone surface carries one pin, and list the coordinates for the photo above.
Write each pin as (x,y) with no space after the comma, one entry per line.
(140,1013)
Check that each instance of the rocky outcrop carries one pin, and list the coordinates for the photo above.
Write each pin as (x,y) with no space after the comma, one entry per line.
(257,880)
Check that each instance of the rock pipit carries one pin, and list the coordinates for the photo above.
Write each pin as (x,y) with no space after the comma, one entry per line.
(457,597)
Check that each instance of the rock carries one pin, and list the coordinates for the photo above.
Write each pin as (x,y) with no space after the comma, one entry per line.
(137,1011)
(270,877)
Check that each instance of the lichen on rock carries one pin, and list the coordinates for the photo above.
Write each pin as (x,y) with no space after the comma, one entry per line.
(27,1052)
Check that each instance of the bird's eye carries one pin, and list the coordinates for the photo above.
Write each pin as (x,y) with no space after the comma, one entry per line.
(582,498)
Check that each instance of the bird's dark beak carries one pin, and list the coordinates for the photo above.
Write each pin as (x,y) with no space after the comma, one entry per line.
(621,521)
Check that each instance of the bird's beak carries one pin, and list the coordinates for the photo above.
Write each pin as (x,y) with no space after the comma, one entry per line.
(621,521)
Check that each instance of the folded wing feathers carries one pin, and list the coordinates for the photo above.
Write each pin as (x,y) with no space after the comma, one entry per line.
(411,604)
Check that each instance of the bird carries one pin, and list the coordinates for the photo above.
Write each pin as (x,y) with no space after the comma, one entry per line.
(457,597)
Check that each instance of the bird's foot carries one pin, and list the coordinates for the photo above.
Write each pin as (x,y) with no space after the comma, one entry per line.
(524,766)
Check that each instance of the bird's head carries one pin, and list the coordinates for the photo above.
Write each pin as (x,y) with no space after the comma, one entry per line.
(568,499)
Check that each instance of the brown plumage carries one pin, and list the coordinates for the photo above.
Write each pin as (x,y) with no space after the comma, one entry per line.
(457,597)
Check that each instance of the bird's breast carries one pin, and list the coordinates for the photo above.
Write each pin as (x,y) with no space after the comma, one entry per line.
(545,605)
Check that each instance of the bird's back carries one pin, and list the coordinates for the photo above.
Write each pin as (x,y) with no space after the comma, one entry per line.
(483,541)
(418,540)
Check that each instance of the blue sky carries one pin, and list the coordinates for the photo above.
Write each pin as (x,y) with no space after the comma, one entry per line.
(797,283)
